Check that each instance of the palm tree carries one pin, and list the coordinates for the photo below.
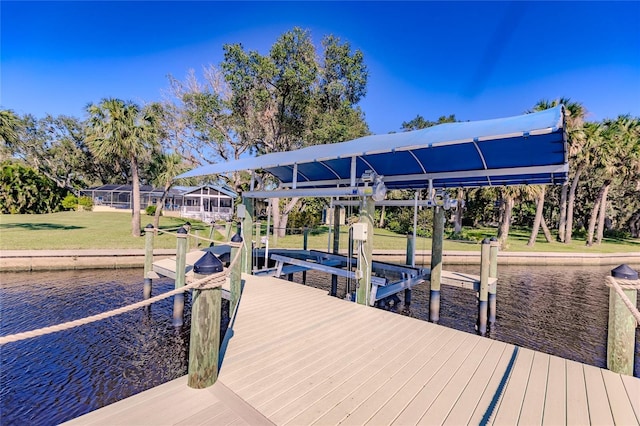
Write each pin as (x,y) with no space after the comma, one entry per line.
(9,126)
(170,165)
(574,119)
(617,158)
(538,192)
(509,195)
(120,131)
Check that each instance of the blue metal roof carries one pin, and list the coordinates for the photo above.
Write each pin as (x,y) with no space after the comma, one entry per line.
(526,149)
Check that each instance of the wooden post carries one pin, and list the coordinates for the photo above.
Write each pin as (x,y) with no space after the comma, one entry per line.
(483,291)
(305,246)
(410,260)
(493,273)
(236,273)
(247,227)
(204,345)
(622,325)
(227,231)
(364,283)
(148,259)
(436,264)
(181,261)
(336,247)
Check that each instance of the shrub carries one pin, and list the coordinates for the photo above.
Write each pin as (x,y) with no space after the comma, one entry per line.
(70,202)
(150,210)
(86,203)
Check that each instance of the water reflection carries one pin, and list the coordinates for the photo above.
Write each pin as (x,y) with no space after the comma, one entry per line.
(51,379)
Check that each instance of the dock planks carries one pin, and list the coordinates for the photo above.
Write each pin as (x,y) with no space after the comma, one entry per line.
(299,357)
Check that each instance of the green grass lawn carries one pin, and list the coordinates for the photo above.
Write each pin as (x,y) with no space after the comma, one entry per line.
(112,230)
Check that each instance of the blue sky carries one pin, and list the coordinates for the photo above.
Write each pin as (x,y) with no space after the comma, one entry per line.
(475,59)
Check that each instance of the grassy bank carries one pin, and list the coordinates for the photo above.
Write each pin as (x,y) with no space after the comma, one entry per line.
(112,230)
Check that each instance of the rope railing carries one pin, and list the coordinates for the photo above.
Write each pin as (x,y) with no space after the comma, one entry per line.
(619,286)
(208,282)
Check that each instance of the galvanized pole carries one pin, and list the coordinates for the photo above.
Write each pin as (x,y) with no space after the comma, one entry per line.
(305,246)
(622,325)
(409,260)
(483,291)
(364,283)
(247,227)
(181,261)
(336,247)
(493,273)
(148,259)
(436,264)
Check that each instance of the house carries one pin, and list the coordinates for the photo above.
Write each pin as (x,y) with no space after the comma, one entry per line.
(208,202)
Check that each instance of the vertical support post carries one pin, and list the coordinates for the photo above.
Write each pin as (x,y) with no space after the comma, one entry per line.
(247,227)
(148,259)
(257,233)
(622,325)
(483,291)
(436,264)
(181,261)
(410,260)
(364,283)
(336,247)
(204,345)
(227,231)
(493,273)
(236,273)
(305,246)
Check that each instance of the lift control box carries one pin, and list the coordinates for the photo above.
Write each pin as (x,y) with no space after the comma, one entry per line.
(360,231)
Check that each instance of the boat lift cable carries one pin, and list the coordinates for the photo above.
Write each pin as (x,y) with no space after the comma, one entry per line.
(208,282)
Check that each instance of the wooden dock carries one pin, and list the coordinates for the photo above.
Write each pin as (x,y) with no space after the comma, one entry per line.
(295,356)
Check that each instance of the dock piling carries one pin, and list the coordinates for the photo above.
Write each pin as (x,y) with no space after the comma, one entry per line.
(622,324)
(236,272)
(204,345)
(305,246)
(247,237)
(436,264)
(336,247)
(493,273)
(148,259)
(363,292)
(181,262)
(410,260)
(483,291)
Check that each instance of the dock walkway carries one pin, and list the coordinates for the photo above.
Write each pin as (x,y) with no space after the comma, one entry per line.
(295,356)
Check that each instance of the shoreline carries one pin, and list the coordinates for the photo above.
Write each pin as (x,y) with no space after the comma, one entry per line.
(51,260)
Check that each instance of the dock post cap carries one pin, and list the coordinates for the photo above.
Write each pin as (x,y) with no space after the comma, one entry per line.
(624,272)
(149,226)
(493,239)
(237,238)
(486,241)
(208,264)
(182,231)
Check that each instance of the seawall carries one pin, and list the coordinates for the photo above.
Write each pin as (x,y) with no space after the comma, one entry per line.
(48,260)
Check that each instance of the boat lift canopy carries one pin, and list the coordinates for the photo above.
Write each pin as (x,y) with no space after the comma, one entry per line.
(526,149)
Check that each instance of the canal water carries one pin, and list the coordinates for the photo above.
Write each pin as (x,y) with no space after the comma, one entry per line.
(54,378)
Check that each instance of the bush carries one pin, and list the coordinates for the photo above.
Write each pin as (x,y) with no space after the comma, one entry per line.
(70,202)
(86,203)
(150,210)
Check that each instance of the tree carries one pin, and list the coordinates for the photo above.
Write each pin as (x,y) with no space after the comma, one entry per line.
(9,126)
(574,119)
(538,191)
(166,168)
(24,191)
(420,123)
(617,162)
(288,98)
(120,131)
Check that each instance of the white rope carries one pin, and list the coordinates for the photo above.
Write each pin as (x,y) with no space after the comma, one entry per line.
(619,286)
(208,282)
